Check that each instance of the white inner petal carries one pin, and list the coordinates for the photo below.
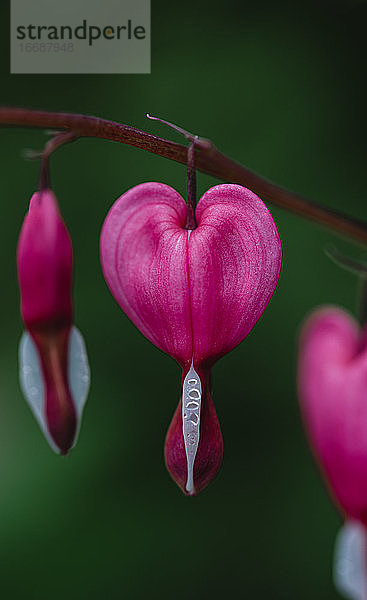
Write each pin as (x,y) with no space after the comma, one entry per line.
(191,405)
(32,384)
(79,374)
(350,561)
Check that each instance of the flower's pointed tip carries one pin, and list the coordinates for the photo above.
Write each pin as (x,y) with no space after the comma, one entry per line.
(61,440)
(190,488)
(209,454)
(190,492)
(64,435)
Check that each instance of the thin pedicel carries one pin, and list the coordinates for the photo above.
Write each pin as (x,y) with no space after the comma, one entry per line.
(208,160)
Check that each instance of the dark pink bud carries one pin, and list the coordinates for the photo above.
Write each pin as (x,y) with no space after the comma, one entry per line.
(52,354)
(45,265)
(194,293)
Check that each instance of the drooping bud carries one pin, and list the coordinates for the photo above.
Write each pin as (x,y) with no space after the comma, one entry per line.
(195,294)
(54,370)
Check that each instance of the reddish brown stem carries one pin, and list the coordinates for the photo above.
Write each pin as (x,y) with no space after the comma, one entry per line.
(191,187)
(64,137)
(191,170)
(207,158)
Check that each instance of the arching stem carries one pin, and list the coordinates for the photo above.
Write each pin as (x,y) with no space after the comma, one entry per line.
(58,140)
(208,160)
(346,262)
(359,269)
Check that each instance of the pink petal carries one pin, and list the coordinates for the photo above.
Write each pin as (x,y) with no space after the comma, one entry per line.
(191,297)
(234,264)
(44,258)
(144,259)
(333,392)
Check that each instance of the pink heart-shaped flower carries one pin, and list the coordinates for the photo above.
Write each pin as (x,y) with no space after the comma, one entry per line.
(332,380)
(194,294)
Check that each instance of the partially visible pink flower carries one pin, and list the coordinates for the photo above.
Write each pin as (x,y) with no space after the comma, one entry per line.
(332,381)
(53,363)
(195,294)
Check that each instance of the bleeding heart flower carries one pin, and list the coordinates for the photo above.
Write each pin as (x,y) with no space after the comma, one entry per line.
(332,382)
(333,393)
(54,370)
(195,294)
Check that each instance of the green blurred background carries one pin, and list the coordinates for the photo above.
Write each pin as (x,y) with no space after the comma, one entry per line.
(281,88)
